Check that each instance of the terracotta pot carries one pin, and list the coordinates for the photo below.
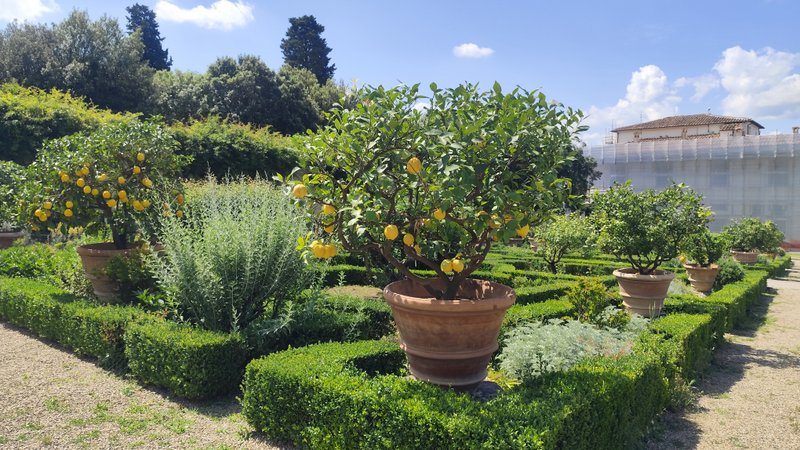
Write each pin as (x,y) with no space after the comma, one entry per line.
(8,237)
(702,278)
(95,258)
(643,294)
(449,342)
(745,257)
(533,243)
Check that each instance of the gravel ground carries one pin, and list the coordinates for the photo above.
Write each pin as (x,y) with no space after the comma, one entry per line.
(49,398)
(750,396)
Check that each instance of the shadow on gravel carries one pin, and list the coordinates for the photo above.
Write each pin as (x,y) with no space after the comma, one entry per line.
(672,430)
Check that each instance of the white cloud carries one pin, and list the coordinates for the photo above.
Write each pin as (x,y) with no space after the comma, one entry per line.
(221,15)
(760,84)
(470,50)
(23,10)
(648,96)
(702,85)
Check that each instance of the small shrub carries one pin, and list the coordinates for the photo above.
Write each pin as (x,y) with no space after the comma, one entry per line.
(749,234)
(564,234)
(704,248)
(537,348)
(233,257)
(730,271)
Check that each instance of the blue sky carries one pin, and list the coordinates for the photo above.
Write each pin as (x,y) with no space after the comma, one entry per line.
(619,61)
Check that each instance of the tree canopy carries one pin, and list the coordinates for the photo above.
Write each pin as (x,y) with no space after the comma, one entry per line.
(304,47)
(143,19)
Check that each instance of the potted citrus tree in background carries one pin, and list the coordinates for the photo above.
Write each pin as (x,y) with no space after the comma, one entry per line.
(646,229)
(748,236)
(704,250)
(11,180)
(113,180)
(436,186)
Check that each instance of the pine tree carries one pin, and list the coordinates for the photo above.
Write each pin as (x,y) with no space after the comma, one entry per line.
(141,17)
(304,47)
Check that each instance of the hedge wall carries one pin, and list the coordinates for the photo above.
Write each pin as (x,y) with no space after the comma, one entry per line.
(190,362)
(54,314)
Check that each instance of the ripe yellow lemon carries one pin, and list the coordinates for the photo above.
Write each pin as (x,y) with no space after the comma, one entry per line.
(85,171)
(121,180)
(65,178)
(95,192)
(329,228)
(439,214)
(523,231)
(414,165)
(391,232)
(446,266)
(299,190)
(140,156)
(80,182)
(38,212)
(330,251)
(408,239)
(137,205)
(47,205)
(137,170)
(111,203)
(328,210)
(87,189)
(146,203)
(69,204)
(179,213)
(122,195)
(147,182)
(106,195)
(418,249)
(42,217)
(102,177)
(67,213)
(458,265)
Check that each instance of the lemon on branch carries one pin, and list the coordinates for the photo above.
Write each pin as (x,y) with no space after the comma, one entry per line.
(446,266)
(299,190)
(523,231)
(457,265)
(391,232)
(439,214)
(408,239)
(414,166)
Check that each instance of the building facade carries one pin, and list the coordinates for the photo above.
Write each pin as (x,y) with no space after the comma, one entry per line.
(693,126)
(738,176)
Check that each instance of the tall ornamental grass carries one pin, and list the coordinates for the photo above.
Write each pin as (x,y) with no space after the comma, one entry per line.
(232,257)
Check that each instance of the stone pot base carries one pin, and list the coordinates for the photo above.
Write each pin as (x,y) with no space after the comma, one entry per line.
(745,257)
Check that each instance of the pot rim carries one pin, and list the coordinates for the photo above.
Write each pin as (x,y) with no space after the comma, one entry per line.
(629,273)
(502,296)
(746,252)
(711,266)
(106,248)
(13,233)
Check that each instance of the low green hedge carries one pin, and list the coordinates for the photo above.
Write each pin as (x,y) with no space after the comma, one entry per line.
(355,395)
(535,294)
(55,314)
(335,318)
(687,342)
(190,362)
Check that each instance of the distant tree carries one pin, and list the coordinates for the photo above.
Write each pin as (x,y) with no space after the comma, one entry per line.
(582,170)
(95,60)
(141,17)
(304,47)
(243,89)
(179,96)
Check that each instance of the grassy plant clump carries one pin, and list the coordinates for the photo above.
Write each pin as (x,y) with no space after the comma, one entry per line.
(730,271)
(232,258)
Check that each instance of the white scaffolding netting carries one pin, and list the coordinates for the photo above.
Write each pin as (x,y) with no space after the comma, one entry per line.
(738,147)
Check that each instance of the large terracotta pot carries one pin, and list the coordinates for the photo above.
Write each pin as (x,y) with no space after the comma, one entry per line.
(702,278)
(643,294)
(95,258)
(745,257)
(449,342)
(8,237)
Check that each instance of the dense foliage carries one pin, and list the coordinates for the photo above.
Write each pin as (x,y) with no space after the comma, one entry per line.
(233,256)
(704,248)
(31,116)
(730,271)
(304,47)
(562,235)
(119,176)
(92,59)
(751,234)
(446,181)
(12,177)
(647,228)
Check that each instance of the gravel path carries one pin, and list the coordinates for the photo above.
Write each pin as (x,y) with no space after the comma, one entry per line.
(49,398)
(750,396)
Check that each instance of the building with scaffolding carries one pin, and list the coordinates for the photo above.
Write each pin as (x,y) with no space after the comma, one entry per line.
(738,175)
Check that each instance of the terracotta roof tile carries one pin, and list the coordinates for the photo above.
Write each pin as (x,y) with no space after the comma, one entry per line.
(687,121)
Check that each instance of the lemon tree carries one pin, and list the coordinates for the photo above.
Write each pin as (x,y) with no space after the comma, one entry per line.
(434,181)
(119,176)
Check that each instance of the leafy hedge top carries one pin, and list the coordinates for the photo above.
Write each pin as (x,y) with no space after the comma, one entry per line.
(442,181)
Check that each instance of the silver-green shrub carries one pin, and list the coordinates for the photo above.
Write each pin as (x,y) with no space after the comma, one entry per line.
(232,258)
(534,349)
